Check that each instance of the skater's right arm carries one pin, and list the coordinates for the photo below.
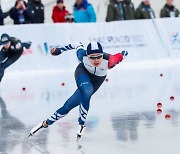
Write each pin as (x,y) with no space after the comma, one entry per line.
(58,50)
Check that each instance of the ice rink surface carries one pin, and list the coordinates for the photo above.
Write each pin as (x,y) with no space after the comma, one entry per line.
(123,116)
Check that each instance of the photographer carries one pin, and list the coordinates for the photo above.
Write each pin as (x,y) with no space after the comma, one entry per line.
(21,13)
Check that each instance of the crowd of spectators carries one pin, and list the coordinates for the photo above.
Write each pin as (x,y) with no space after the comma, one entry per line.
(124,10)
(32,11)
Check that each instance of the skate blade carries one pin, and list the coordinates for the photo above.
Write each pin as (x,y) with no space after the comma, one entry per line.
(35,129)
(78,137)
(28,136)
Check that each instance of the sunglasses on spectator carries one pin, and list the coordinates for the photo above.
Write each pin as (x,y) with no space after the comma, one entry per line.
(95,57)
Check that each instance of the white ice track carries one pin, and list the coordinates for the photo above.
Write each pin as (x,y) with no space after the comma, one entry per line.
(122,117)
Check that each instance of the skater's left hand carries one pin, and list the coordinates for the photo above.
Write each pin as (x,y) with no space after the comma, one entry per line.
(55,51)
(124,53)
(52,50)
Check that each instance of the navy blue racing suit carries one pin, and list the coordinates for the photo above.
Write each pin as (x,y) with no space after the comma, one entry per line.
(10,55)
(88,80)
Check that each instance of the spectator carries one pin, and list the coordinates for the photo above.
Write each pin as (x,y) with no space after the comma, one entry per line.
(115,11)
(128,10)
(38,11)
(169,10)
(59,12)
(144,11)
(84,11)
(2,16)
(21,13)
(120,10)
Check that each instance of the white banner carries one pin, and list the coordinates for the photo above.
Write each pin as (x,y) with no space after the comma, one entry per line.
(139,37)
(169,31)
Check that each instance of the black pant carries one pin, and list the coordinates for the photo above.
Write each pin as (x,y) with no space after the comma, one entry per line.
(6,59)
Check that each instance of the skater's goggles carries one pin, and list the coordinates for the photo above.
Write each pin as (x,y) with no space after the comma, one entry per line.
(5,42)
(96,57)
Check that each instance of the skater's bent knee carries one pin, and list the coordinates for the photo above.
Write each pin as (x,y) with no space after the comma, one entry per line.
(88,92)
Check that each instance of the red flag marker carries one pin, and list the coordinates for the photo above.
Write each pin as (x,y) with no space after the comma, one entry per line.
(167,116)
(172,98)
(159,104)
(23,88)
(159,111)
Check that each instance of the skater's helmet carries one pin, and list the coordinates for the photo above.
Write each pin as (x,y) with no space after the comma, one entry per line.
(94,47)
(5,38)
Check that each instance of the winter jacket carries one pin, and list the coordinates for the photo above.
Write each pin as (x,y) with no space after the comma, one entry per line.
(38,11)
(169,11)
(59,15)
(21,16)
(144,12)
(123,10)
(128,10)
(114,11)
(2,16)
(84,13)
